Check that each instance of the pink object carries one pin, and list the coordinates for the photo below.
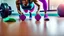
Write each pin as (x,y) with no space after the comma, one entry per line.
(60,10)
(32,9)
(22,17)
(25,11)
(37,17)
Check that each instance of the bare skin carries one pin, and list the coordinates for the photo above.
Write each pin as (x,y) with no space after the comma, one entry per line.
(25,2)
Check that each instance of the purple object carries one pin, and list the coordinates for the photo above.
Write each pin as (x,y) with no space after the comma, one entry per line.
(32,9)
(25,11)
(61,10)
(37,17)
(44,4)
(46,17)
(22,17)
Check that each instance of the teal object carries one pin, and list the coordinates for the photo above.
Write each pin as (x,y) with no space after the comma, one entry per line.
(29,7)
(4,6)
(9,20)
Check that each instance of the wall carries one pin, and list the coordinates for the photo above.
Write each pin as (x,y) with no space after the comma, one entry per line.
(13,5)
(1,1)
(55,3)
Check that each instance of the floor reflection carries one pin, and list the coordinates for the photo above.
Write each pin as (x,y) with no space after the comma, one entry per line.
(53,27)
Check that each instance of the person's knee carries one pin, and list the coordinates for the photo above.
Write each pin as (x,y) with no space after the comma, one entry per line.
(25,11)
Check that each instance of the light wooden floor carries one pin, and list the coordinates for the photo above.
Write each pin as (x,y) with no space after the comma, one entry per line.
(53,27)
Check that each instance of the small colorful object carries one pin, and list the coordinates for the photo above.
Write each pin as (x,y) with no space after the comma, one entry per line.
(37,17)
(22,17)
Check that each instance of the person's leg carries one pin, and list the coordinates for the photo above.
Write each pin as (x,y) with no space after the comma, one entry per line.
(32,9)
(45,9)
(31,12)
(30,15)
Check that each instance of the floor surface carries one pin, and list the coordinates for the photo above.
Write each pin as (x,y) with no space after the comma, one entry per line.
(53,27)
